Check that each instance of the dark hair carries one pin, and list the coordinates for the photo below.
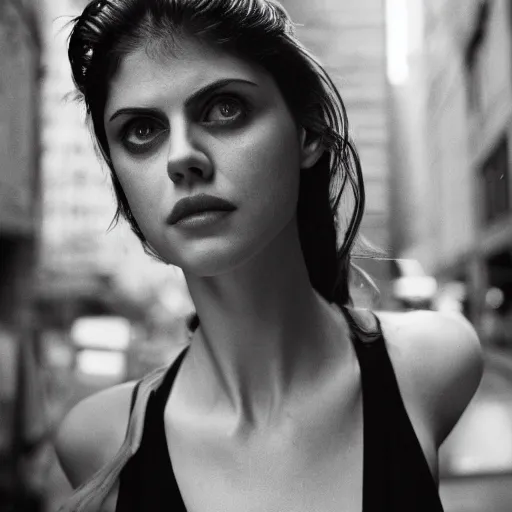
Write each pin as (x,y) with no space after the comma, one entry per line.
(259,31)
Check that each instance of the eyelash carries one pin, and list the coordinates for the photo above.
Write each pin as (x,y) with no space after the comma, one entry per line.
(132,124)
(244,105)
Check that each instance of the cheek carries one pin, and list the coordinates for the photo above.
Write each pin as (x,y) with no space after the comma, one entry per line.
(144,194)
(271,158)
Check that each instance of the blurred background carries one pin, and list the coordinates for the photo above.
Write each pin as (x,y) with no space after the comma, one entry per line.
(428,89)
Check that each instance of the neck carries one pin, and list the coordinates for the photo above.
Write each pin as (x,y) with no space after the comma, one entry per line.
(264,331)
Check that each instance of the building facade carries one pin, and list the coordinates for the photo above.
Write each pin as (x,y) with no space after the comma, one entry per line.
(454,197)
(86,267)
(76,253)
(20,50)
(349,38)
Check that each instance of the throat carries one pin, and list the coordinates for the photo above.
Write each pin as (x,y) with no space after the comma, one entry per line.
(312,451)
(254,374)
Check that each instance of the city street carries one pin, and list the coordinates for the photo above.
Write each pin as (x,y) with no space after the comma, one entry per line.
(406,109)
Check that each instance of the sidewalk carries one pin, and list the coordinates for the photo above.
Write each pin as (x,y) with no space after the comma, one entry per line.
(500,360)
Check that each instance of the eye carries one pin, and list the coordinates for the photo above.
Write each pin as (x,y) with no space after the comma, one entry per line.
(225,109)
(141,134)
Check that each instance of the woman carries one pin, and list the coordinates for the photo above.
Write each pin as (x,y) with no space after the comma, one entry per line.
(229,153)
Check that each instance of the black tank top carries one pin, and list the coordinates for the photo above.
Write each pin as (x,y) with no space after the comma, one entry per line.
(396,476)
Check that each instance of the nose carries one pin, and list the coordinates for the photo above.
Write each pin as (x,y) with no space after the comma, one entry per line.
(186,161)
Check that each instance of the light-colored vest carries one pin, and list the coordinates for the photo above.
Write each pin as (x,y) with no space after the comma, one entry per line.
(90,496)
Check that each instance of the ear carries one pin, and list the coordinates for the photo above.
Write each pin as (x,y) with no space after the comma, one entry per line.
(311,150)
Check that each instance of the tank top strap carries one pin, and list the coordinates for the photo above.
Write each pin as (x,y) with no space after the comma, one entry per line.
(389,441)
(140,489)
(368,341)
(132,402)
(365,327)
(162,392)
(134,395)
(165,388)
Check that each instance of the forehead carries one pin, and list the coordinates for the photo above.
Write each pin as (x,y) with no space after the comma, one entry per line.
(144,77)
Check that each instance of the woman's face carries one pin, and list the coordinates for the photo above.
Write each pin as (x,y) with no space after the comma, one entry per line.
(203,122)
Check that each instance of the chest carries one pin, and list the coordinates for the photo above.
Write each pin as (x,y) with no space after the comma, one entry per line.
(274,485)
(313,461)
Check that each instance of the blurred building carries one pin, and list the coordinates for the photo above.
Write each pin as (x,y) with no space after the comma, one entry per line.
(76,253)
(85,268)
(451,150)
(20,50)
(349,37)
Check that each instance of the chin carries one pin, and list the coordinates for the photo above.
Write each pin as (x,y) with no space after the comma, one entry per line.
(209,259)
(217,255)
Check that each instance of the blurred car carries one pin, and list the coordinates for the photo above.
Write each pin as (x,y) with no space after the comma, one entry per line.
(101,344)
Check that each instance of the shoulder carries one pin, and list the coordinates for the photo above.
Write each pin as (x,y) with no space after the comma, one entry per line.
(438,363)
(93,431)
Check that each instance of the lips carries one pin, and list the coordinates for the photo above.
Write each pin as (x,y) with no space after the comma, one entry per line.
(197,204)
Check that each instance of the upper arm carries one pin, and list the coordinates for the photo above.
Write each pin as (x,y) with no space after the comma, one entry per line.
(440,362)
(92,432)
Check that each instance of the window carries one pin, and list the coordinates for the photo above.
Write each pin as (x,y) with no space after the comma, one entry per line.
(80,177)
(495,179)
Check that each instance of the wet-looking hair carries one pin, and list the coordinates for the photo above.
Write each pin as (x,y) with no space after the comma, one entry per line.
(261,32)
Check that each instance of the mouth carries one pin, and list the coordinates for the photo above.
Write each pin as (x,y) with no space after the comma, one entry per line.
(197,205)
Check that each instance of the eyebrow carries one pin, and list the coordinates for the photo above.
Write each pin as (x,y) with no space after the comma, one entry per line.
(203,91)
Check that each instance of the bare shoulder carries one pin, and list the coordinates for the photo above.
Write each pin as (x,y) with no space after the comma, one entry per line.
(93,431)
(438,362)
